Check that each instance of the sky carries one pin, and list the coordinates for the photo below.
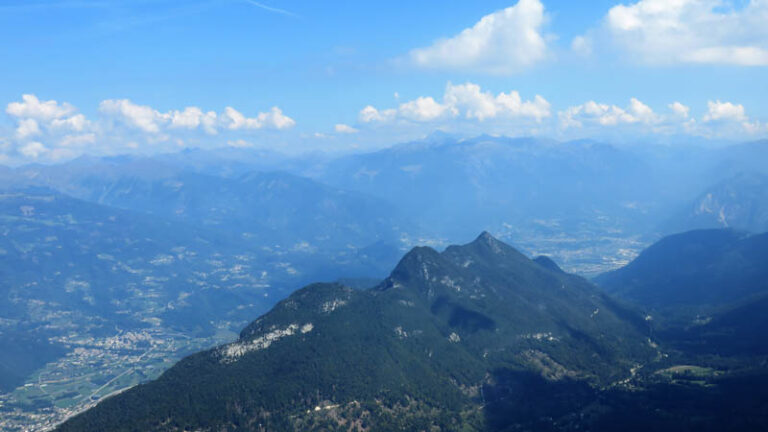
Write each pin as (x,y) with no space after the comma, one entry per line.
(139,76)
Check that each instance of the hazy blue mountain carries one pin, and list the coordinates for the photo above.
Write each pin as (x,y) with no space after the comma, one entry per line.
(444,342)
(268,208)
(739,158)
(693,274)
(590,205)
(486,181)
(739,202)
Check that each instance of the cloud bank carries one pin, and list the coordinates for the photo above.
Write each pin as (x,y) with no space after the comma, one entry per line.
(52,130)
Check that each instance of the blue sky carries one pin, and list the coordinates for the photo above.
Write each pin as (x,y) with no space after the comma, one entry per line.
(120,76)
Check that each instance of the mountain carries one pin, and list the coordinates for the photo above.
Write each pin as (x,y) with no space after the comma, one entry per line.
(94,298)
(735,159)
(271,208)
(698,270)
(447,342)
(705,291)
(585,203)
(487,180)
(739,202)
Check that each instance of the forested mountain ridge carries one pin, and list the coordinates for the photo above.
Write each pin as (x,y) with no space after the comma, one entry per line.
(446,334)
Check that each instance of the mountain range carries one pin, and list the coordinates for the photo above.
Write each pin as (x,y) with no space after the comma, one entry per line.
(147,259)
(477,337)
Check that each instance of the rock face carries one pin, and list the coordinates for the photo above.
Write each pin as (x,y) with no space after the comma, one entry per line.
(478,337)
(739,202)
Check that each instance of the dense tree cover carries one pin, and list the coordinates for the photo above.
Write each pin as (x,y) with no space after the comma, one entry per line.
(478,337)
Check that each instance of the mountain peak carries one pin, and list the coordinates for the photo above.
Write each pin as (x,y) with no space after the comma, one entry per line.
(486,238)
(415,265)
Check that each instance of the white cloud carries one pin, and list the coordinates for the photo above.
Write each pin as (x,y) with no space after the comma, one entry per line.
(679,109)
(642,112)
(77,140)
(503,42)
(727,118)
(467,100)
(594,113)
(32,107)
(474,103)
(149,120)
(724,111)
(371,114)
(33,149)
(194,117)
(26,128)
(77,123)
(56,130)
(423,109)
(721,119)
(344,129)
(691,31)
(139,116)
(33,116)
(274,119)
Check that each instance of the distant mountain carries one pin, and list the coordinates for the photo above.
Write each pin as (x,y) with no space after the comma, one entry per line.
(271,208)
(741,158)
(486,181)
(266,207)
(589,205)
(449,341)
(697,271)
(740,202)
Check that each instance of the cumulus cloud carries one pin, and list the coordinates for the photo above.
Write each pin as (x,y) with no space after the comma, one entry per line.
(475,103)
(424,109)
(33,149)
(721,119)
(731,118)
(34,116)
(503,42)
(147,119)
(371,114)
(274,119)
(594,113)
(679,109)
(691,31)
(31,107)
(344,129)
(139,116)
(464,100)
(26,128)
(724,111)
(56,130)
(194,117)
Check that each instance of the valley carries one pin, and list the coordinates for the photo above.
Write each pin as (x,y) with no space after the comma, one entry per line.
(116,269)
(276,216)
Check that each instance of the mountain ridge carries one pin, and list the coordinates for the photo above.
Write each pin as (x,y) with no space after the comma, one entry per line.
(424,345)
